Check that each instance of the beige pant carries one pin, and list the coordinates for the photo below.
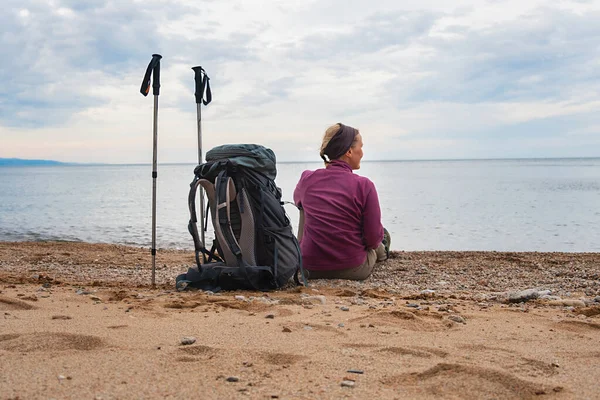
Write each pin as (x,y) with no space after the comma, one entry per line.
(363,271)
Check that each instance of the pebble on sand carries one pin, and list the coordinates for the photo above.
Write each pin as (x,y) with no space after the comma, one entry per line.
(457,318)
(65,317)
(523,296)
(356,371)
(188,340)
(318,299)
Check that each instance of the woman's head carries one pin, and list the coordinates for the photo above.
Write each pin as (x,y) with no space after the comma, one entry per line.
(342,142)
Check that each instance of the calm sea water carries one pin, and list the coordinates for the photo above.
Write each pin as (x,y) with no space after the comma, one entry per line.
(503,205)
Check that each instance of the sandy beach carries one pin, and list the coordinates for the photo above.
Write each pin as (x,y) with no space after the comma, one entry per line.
(81,321)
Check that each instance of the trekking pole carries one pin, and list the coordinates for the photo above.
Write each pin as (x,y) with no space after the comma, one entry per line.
(202,88)
(154,70)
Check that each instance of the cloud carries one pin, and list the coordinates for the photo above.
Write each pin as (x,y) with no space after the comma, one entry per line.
(419,78)
(376,32)
(58,53)
(545,54)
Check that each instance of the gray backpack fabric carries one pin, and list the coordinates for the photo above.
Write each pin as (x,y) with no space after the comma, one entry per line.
(254,243)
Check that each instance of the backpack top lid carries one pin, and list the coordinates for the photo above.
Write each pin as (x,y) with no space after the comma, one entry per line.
(253,156)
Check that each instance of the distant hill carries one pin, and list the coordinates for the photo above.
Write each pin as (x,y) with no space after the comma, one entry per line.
(16,162)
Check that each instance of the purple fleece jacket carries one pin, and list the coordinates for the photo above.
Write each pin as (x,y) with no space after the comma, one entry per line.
(342,218)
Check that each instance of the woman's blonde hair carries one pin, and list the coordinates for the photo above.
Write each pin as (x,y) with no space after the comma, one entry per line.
(330,133)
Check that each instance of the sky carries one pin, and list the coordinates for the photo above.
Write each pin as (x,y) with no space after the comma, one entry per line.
(426,79)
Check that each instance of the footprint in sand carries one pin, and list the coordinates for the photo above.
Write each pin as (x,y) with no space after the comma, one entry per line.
(118,295)
(415,351)
(187,359)
(361,345)
(283,312)
(423,322)
(578,326)
(281,358)
(180,304)
(511,361)
(420,352)
(344,293)
(197,301)
(197,353)
(199,350)
(49,341)
(532,367)
(8,304)
(307,327)
(466,382)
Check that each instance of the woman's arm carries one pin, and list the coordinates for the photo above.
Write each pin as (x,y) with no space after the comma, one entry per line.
(372,227)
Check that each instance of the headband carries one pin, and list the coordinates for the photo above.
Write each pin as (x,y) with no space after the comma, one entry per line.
(340,143)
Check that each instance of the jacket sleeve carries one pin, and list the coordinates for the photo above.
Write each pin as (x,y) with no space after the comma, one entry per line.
(299,191)
(372,227)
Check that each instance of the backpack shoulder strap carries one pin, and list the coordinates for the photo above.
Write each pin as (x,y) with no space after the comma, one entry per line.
(200,247)
(248,232)
(225,193)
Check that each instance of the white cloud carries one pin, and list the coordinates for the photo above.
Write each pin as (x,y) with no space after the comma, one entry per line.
(432,78)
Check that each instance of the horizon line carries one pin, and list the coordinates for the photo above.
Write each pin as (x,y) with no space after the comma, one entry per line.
(69,163)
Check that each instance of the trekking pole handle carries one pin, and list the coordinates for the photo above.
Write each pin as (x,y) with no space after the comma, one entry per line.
(202,86)
(156,75)
(154,70)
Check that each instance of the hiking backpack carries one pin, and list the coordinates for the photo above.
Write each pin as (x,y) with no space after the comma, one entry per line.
(254,245)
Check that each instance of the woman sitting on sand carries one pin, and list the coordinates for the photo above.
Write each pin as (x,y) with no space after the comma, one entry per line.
(340,233)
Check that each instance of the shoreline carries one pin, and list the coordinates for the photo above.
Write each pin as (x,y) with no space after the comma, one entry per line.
(84,320)
(147,247)
(405,271)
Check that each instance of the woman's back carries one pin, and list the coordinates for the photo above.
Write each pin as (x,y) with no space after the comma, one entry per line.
(342,217)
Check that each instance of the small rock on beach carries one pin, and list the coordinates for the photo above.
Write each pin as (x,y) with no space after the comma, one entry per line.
(188,340)
(318,299)
(523,296)
(457,319)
